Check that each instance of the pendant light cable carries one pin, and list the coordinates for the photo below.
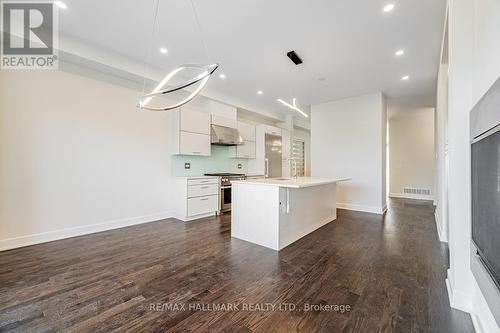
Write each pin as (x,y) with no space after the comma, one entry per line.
(151,42)
(205,46)
(201,79)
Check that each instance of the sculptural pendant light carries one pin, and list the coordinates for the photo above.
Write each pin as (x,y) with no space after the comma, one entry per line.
(202,79)
(205,72)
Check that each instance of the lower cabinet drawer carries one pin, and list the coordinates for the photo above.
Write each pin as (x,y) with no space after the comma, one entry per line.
(203,181)
(203,190)
(202,205)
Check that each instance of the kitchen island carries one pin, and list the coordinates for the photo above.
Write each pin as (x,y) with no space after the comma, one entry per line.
(277,212)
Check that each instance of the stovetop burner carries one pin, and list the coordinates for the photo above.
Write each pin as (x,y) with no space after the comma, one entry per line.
(225,174)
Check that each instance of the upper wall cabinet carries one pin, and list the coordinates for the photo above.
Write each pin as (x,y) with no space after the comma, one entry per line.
(191,132)
(272,130)
(194,121)
(223,121)
(247,150)
(247,131)
(194,144)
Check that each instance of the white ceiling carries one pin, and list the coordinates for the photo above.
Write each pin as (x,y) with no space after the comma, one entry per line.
(350,43)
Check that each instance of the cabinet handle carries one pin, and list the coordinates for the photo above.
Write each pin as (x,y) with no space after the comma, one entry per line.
(204,199)
(204,187)
(196,152)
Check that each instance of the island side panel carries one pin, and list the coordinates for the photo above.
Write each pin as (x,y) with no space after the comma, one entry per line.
(309,209)
(255,214)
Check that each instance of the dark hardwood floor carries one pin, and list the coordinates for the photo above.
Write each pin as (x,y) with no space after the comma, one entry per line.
(390,271)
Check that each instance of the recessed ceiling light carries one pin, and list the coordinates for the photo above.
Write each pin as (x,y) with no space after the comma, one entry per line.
(405,78)
(163,50)
(399,53)
(222,76)
(260,92)
(61,4)
(388,7)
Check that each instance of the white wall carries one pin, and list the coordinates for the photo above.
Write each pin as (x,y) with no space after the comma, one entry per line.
(384,151)
(348,140)
(442,157)
(411,144)
(77,156)
(474,65)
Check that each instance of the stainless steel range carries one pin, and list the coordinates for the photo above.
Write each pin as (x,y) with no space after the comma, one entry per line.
(225,188)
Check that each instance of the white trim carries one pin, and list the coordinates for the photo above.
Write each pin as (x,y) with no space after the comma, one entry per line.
(458,299)
(411,196)
(476,321)
(362,208)
(482,324)
(191,218)
(49,236)
(442,235)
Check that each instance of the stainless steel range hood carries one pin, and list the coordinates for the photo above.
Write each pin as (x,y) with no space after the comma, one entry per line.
(225,136)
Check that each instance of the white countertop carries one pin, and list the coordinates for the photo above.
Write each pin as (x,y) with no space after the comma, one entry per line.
(196,177)
(301,182)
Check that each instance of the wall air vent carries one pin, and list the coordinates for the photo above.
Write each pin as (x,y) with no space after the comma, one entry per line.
(417,191)
(294,57)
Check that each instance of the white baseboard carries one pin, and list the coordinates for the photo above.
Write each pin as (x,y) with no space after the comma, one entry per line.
(483,324)
(12,243)
(192,218)
(441,234)
(475,304)
(362,208)
(411,196)
(458,300)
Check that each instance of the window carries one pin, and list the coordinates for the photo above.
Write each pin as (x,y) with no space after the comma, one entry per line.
(298,154)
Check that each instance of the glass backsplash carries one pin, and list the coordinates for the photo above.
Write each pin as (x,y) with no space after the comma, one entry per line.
(219,161)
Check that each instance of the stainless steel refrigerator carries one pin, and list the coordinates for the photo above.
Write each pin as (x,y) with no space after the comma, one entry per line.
(273,156)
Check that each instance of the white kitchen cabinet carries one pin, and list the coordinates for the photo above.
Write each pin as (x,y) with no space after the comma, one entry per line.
(191,132)
(201,205)
(247,131)
(202,190)
(246,150)
(194,121)
(224,121)
(271,130)
(194,144)
(202,181)
(195,197)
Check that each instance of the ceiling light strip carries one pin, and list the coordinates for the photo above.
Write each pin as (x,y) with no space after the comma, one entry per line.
(293,107)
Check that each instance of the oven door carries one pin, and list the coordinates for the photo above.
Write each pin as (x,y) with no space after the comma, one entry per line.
(225,198)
